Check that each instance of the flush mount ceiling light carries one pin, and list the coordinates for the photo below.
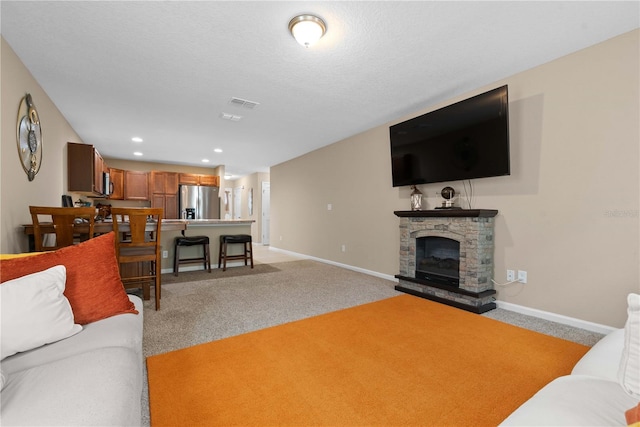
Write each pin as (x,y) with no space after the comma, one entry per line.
(307,29)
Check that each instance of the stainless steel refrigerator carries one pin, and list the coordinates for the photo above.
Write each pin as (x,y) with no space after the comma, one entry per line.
(199,202)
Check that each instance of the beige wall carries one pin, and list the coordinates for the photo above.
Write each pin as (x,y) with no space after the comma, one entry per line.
(17,192)
(568,213)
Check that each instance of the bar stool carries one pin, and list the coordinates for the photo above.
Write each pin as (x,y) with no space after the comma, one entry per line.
(191,241)
(227,239)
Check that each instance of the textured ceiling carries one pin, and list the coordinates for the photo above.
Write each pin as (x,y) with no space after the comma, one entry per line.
(166,70)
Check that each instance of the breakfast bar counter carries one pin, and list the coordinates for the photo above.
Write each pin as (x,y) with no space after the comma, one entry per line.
(212,228)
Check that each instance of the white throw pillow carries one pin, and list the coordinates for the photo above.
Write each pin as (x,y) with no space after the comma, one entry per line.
(629,372)
(35,311)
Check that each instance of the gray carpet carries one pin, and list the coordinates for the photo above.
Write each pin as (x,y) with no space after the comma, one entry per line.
(201,311)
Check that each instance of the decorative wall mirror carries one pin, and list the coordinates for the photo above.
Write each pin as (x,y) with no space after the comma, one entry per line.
(29,137)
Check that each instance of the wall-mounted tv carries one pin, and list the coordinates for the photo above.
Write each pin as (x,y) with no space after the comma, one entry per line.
(465,140)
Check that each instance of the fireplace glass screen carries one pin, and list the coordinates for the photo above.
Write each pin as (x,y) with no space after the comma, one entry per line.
(438,260)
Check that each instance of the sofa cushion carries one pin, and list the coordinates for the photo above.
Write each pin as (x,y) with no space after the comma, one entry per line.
(629,373)
(100,388)
(574,400)
(93,287)
(35,311)
(603,359)
(124,330)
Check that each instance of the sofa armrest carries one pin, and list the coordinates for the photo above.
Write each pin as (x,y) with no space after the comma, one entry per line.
(603,359)
(574,400)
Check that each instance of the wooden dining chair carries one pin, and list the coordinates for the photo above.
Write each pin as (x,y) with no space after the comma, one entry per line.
(138,242)
(69,225)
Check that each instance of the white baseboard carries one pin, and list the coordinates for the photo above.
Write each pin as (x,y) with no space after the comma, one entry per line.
(546,315)
(337,264)
(558,318)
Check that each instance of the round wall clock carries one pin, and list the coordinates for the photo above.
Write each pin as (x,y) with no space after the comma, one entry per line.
(29,137)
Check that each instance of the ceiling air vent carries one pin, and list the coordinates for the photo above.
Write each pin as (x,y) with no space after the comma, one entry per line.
(232,117)
(243,103)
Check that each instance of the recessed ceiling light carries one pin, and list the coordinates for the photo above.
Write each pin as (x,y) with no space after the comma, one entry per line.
(227,176)
(137,153)
(136,139)
(205,160)
(217,150)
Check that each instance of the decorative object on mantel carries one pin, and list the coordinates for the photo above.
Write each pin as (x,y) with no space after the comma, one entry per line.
(449,196)
(416,199)
(29,137)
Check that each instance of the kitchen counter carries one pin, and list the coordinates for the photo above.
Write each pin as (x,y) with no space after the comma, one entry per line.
(212,228)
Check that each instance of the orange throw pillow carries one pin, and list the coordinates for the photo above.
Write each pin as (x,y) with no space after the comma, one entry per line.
(633,415)
(93,287)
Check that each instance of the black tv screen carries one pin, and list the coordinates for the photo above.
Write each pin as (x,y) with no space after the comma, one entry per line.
(465,140)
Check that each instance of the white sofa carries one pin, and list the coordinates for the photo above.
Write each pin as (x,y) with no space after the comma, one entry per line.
(91,378)
(593,395)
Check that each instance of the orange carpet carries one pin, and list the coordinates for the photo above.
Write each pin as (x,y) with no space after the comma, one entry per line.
(399,361)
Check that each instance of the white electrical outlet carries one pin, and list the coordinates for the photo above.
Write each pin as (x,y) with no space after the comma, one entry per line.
(344,248)
(511,275)
(522,276)
(165,254)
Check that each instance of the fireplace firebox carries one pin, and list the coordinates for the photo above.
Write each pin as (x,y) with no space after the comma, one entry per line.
(438,260)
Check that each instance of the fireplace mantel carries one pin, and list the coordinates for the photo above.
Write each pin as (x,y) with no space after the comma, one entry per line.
(442,213)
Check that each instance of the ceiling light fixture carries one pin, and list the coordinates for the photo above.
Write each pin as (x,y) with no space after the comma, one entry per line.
(217,150)
(307,29)
(205,160)
(137,153)
(136,139)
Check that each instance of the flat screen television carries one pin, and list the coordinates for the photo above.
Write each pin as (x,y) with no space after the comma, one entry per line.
(465,140)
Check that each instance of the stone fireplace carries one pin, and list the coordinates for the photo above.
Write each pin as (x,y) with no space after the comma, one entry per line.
(446,255)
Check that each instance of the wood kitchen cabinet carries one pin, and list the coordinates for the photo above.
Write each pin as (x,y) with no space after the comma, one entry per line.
(164,189)
(169,202)
(197,179)
(136,185)
(212,180)
(164,182)
(85,170)
(116,176)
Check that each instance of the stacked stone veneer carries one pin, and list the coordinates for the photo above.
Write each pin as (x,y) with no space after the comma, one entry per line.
(475,235)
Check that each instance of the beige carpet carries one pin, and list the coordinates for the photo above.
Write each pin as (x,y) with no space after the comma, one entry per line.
(399,361)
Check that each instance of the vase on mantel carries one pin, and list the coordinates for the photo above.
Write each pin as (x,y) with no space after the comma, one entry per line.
(416,199)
